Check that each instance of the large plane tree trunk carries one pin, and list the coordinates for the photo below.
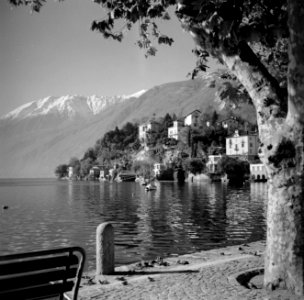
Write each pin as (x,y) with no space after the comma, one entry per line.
(281,150)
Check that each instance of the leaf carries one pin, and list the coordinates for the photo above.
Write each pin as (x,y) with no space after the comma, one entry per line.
(140,44)
(155,32)
(101,26)
(155,11)
(151,51)
(163,39)
(129,25)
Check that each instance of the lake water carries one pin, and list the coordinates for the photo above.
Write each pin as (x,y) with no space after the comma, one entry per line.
(174,219)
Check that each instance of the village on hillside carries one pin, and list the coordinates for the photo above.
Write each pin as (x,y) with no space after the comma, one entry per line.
(238,143)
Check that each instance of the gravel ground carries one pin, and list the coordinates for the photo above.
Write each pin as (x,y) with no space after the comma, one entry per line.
(212,274)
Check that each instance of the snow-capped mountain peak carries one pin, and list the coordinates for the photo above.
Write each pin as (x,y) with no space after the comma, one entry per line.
(68,106)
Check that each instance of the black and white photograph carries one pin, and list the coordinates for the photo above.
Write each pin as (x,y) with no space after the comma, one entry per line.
(152,149)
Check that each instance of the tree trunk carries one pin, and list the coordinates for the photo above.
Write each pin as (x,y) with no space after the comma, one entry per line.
(281,150)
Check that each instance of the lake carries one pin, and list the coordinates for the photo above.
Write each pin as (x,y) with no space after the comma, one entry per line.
(174,219)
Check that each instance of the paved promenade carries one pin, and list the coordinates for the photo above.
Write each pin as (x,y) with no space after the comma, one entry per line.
(213,274)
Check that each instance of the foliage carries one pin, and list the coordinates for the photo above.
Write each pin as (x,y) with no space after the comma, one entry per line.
(235,168)
(131,12)
(212,139)
(34,4)
(143,168)
(61,171)
(90,153)
(195,165)
(230,92)
(116,144)
(160,138)
(75,163)
(118,139)
(167,174)
(85,166)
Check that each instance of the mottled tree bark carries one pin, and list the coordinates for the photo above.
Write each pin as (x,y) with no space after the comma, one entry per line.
(281,150)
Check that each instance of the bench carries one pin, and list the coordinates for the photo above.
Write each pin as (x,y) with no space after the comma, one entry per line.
(42,274)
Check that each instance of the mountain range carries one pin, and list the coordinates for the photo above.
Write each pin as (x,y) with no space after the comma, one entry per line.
(38,136)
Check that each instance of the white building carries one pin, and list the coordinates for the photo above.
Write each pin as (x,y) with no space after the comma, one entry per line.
(258,172)
(193,119)
(212,163)
(147,128)
(94,172)
(174,131)
(158,168)
(71,172)
(246,145)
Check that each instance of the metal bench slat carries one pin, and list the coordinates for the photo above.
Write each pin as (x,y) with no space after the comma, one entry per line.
(29,279)
(41,274)
(33,264)
(37,292)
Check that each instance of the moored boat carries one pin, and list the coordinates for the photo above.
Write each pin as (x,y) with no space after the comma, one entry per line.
(127,176)
(150,187)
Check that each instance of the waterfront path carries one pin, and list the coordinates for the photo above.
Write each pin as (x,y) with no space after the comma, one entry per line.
(212,274)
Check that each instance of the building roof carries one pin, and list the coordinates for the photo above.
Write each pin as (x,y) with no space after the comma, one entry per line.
(149,122)
(192,113)
(243,135)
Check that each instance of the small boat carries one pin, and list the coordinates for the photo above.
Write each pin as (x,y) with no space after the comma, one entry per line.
(127,176)
(150,187)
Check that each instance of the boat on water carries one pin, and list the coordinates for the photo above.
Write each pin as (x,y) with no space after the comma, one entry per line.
(150,187)
(126,176)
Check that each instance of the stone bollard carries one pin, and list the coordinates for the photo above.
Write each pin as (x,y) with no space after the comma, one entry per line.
(104,249)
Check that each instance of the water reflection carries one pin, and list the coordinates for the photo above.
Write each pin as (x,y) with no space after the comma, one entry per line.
(173,219)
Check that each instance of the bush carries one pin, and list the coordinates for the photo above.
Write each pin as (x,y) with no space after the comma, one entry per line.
(61,171)
(143,168)
(235,168)
(195,165)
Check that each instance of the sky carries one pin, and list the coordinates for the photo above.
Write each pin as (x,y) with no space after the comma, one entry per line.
(54,53)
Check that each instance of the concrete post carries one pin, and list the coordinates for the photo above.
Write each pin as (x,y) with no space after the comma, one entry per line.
(104,249)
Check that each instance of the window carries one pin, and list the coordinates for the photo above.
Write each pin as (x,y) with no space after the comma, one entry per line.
(251,145)
(243,144)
